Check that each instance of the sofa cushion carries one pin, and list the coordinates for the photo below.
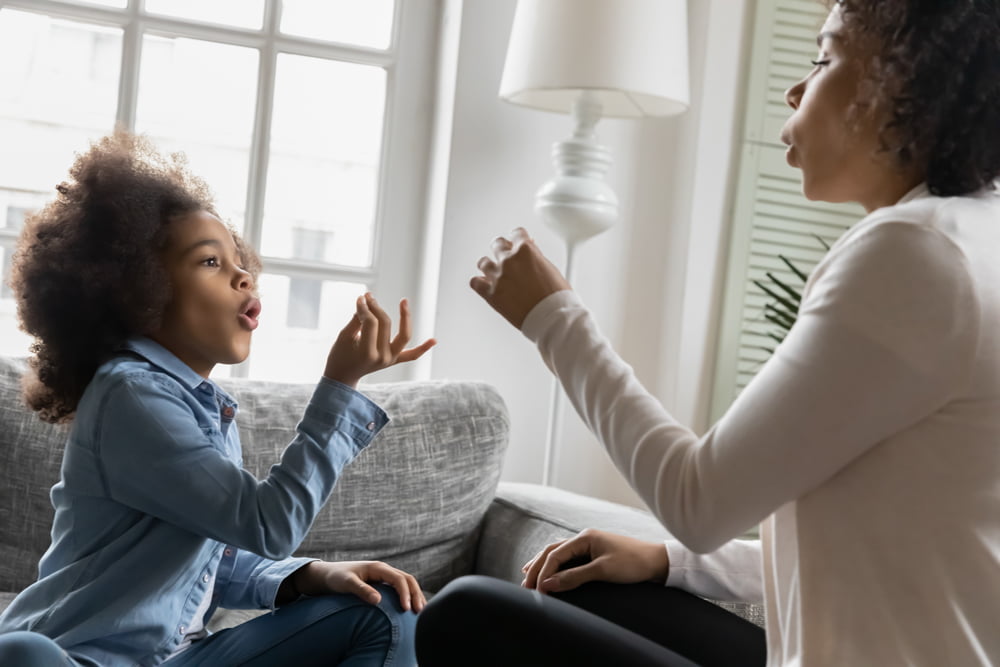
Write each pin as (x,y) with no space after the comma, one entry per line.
(30,455)
(415,497)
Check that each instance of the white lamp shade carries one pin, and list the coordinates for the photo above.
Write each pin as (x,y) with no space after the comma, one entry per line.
(630,54)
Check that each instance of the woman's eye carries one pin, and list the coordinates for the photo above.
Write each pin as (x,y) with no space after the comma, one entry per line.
(819,63)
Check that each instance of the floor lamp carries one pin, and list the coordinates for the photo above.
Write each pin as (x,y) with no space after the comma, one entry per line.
(590,59)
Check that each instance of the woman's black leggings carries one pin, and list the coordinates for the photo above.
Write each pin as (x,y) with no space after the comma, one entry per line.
(488,622)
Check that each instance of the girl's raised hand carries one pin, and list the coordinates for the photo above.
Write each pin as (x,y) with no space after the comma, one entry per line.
(517,277)
(366,344)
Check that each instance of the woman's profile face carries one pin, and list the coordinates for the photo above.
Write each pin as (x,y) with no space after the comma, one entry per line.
(833,140)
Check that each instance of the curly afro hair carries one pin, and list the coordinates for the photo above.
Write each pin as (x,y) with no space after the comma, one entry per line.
(87,273)
(937,69)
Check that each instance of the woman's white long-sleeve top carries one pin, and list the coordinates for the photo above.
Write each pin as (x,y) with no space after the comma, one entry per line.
(867,447)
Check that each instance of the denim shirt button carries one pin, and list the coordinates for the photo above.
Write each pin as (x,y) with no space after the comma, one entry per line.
(205,578)
(227,552)
(370,426)
(181,629)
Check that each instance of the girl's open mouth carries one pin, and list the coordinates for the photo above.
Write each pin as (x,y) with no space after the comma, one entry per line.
(249,314)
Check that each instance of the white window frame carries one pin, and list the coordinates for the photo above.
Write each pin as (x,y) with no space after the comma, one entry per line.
(399,235)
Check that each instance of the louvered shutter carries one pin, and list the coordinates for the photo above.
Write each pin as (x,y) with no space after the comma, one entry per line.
(770,215)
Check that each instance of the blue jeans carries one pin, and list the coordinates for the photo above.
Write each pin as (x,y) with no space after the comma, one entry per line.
(325,630)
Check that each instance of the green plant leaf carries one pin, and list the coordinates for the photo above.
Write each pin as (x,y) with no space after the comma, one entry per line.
(778,317)
(774,295)
(794,269)
(790,291)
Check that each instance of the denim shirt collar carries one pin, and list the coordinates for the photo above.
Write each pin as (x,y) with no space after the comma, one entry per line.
(167,361)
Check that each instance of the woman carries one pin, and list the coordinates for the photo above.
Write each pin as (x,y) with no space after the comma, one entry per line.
(867,447)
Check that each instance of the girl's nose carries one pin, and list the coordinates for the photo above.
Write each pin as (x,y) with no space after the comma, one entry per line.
(243,280)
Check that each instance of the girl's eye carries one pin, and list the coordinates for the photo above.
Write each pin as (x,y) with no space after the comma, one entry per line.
(819,63)
(211,261)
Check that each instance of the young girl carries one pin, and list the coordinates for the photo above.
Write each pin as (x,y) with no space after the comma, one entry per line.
(134,290)
(868,446)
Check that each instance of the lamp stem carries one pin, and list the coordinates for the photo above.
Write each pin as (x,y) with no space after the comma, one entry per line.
(586,112)
(578,204)
(555,400)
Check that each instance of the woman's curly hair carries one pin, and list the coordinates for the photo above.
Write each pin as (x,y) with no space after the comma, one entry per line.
(87,273)
(937,67)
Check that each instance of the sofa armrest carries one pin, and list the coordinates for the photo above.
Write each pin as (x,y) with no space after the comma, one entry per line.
(523,518)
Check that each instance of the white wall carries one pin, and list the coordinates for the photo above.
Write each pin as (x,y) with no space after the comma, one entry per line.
(652,281)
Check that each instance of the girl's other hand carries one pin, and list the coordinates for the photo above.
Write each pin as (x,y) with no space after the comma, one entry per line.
(365,345)
(604,557)
(353,577)
(517,277)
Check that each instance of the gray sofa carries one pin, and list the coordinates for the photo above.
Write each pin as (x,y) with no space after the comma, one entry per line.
(425,496)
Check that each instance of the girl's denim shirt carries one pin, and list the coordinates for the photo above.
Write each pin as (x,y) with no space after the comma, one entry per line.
(154,506)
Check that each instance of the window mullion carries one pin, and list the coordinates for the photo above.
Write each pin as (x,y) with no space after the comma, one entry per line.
(260,145)
(128,82)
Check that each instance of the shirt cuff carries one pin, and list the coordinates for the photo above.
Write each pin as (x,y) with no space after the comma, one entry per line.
(334,406)
(269,581)
(534,324)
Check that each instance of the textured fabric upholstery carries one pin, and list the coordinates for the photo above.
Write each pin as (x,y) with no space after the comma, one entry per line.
(415,498)
(30,455)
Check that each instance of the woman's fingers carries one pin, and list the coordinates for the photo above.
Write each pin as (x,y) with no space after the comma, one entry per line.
(500,247)
(574,548)
(534,566)
(516,277)
(519,235)
(489,268)
(570,578)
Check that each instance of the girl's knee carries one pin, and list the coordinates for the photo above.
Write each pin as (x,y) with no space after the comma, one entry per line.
(402,626)
(30,649)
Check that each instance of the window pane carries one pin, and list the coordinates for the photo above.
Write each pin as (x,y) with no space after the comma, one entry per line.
(198,97)
(367,23)
(14,206)
(104,3)
(299,322)
(326,136)
(59,92)
(239,13)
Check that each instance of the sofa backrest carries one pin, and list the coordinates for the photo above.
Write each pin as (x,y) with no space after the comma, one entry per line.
(414,498)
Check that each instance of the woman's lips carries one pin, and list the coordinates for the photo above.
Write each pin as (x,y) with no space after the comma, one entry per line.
(249,314)
(790,157)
